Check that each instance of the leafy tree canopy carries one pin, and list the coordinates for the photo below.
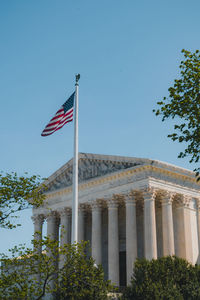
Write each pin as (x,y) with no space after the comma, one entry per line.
(17,193)
(166,278)
(183,103)
(65,272)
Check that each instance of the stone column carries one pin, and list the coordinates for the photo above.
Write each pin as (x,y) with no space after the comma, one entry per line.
(65,231)
(150,243)
(184,236)
(81,223)
(131,235)
(53,234)
(38,221)
(53,226)
(96,233)
(113,242)
(65,226)
(167,224)
(198,226)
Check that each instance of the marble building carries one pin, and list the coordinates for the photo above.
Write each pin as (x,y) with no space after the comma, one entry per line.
(128,207)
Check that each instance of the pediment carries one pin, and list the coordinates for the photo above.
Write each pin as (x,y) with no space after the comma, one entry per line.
(90,166)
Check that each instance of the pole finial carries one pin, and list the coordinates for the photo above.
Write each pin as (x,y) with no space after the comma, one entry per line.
(77,77)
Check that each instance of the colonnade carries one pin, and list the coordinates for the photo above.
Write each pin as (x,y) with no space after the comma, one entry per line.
(169,203)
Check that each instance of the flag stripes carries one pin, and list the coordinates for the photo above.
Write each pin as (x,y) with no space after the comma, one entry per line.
(63,115)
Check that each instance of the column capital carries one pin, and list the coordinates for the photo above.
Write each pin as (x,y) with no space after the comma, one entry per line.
(83,207)
(118,198)
(130,199)
(149,194)
(167,197)
(53,216)
(96,205)
(111,203)
(38,219)
(65,211)
(115,200)
(187,200)
(198,203)
(182,200)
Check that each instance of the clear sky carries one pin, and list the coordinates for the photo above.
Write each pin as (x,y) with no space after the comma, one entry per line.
(127,53)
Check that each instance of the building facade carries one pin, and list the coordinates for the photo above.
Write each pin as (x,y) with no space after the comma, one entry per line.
(128,208)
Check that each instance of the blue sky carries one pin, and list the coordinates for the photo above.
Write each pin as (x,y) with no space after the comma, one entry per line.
(127,53)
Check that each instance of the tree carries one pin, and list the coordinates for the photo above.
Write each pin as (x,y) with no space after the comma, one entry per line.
(183,104)
(80,277)
(165,278)
(18,193)
(33,274)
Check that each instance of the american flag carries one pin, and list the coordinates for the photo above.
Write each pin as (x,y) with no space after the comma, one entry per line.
(63,116)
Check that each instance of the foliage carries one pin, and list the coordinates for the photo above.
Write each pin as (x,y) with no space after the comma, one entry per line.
(80,277)
(21,274)
(32,275)
(165,278)
(16,194)
(184,103)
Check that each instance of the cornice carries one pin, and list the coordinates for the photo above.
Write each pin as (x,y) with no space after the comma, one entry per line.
(127,173)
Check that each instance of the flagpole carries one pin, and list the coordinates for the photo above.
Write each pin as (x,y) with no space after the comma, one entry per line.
(75,169)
